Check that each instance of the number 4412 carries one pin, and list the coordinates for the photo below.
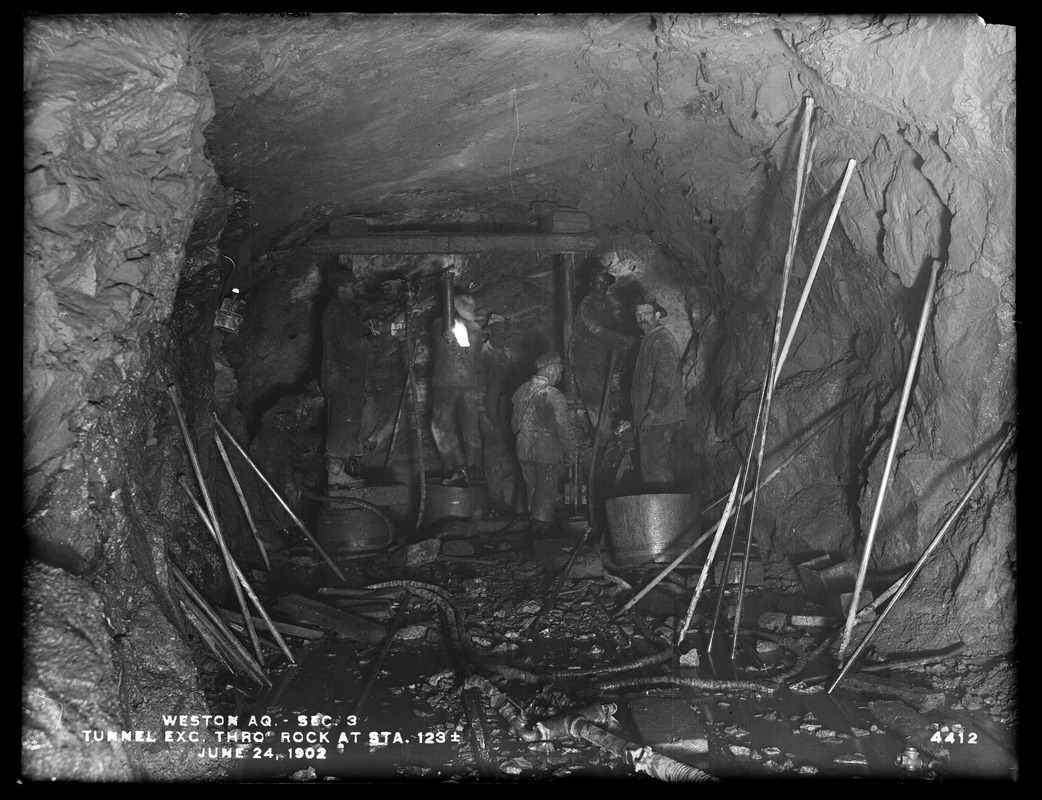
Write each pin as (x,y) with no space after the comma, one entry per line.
(955,736)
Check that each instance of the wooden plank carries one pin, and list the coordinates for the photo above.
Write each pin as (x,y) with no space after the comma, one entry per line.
(332,619)
(453,243)
(283,627)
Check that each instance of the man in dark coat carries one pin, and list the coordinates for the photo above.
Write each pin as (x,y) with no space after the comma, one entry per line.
(455,394)
(346,345)
(592,340)
(544,438)
(498,367)
(657,396)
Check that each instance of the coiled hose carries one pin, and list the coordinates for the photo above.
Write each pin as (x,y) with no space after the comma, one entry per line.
(358,502)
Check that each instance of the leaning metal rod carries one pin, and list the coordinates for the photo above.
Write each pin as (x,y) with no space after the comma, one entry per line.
(922,560)
(743,477)
(708,565)
(822,424)
(558,584)
(242,498)
(209,517)
(772,371)
(378,663)
(814,267)
(241,653)
(749,495)
(285,505)
(885,480)
(236,574)
(590,505)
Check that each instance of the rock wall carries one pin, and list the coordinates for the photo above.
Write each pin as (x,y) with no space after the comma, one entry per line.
(115,175)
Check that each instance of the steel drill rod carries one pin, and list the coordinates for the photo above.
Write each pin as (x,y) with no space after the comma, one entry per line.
(772,371)
(283,503)
(241,653)
(907,581)
(559,583)
(384,649)
(597,434)
(814,267)
(209,516)
(742,478)
(829,417)
(239,578)
(708,565)
(713,529)
(885,480)
(242,498)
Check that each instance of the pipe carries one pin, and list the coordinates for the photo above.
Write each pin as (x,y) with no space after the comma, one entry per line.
(212,524)
(448,310)
(906,393)
(285,505)
(922,560)
(568,318)
(643,759)
(242,498)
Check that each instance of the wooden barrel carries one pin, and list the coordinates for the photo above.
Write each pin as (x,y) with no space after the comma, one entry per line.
(345,530)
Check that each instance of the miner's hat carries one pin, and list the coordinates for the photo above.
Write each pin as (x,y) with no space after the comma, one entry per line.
(650,301)
(340,278)
(548,359)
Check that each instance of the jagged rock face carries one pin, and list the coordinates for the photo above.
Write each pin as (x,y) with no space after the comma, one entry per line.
(115,177)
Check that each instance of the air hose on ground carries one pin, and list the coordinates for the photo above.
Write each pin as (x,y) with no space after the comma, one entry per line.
(582,723)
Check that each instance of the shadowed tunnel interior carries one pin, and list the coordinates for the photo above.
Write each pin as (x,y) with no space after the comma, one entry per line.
(193,181)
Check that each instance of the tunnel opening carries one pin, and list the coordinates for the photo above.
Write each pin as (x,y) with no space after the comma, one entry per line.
(384,379)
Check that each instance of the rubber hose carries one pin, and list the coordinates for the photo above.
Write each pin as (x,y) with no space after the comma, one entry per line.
(360,503)
(667,769)
(611,669)
(689,683)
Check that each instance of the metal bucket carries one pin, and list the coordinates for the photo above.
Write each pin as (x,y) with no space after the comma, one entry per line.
(465,502)
(652,528)
(345,531)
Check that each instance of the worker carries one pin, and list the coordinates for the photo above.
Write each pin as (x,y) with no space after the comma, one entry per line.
(592,340)
(544,439)
(498,368)
(656,395)
(346,344)
(455,394)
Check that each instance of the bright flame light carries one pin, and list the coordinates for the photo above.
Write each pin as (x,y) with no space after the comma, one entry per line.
(459,330)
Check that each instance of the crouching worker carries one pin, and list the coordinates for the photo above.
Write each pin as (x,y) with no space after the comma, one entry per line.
(544,438)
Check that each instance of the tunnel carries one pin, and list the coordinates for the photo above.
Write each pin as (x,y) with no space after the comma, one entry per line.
(813,213)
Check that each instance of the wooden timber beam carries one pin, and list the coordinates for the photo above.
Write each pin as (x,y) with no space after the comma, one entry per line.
(454,243)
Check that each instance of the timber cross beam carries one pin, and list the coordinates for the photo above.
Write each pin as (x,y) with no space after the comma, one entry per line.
(455,243)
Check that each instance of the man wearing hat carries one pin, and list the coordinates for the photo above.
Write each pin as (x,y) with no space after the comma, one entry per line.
(657,396)
(455,390)
(498,369)
(592,339)
(544,438)
(346,344)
